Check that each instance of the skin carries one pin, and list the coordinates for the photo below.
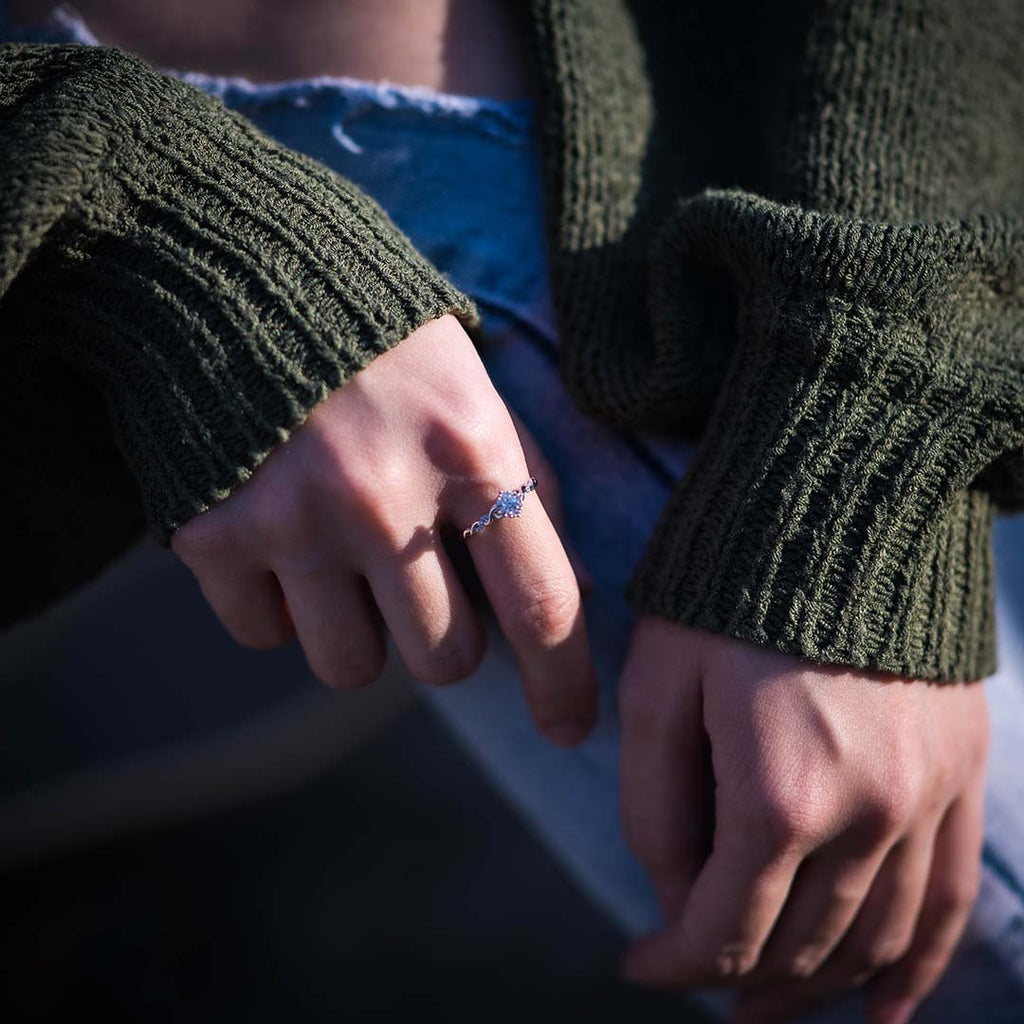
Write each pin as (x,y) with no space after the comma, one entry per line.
(472,47)
(807,827)
(844,836)
(325,530)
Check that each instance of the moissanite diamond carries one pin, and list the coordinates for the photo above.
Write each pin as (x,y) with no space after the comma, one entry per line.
(509,504)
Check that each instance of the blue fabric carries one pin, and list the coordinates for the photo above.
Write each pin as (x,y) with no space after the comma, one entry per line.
(460,175)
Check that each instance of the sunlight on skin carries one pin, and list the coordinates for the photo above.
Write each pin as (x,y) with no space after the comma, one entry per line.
(845,803)
(470,47)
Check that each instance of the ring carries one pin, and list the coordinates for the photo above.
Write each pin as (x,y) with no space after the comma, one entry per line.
(507,506)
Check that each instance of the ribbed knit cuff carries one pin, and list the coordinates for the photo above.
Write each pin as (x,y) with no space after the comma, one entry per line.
(827,512)
(214,284)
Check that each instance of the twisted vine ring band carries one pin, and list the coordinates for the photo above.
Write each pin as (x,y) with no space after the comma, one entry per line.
(507,506)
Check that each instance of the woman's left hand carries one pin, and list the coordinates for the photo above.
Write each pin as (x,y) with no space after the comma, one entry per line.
(841,840)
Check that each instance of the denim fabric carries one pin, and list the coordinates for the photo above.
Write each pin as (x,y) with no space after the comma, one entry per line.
(460,175)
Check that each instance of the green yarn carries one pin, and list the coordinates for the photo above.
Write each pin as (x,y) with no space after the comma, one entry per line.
(793,235)
(207,285)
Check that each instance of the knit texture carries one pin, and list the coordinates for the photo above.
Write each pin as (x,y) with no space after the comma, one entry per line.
(209,284)
(809,259)
(792,234)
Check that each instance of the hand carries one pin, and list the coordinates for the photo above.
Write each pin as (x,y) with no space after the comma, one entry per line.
(339,527)
(847,821)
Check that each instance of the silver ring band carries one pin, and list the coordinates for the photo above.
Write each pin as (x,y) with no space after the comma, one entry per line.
(507,506)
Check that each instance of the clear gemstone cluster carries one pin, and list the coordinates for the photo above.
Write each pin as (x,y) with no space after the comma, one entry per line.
(508,505)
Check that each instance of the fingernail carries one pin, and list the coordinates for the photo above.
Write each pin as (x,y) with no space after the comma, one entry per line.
(569,733)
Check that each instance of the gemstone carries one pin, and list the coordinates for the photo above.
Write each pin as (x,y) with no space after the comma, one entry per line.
(508,505)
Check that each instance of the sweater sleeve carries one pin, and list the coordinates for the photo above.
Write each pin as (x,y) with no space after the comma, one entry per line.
(211,284)
(870,421)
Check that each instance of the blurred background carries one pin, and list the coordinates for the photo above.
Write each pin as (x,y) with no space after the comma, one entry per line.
(193,831)
(190,830)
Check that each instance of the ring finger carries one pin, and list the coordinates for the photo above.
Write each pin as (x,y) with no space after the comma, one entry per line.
(533,590)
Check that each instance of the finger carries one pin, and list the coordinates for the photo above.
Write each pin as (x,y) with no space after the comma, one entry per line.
(664,761)
(438,634)
(249,603)
(880,935)
(951,890)
(549,486)
(828,892)
(884,928)
(735,900)
(338,629)
(532,588)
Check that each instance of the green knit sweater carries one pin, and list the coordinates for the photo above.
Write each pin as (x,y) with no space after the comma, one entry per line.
(795,238)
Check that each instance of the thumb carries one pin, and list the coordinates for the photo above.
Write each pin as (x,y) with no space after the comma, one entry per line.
(550,492)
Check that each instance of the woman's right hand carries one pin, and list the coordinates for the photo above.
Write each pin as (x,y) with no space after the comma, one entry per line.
(343,519)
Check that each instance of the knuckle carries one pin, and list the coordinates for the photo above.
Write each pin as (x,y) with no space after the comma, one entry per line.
(447,663)
(281,525)
(788,812)
(935,797)
(847,893)
(201,540)
(804,964)
(943,777)
(343,678)
(549,615)
(781,824)
(370,499)
(955,898)
(732,962)
(382,521)
(373,498)
(349,674)
(929,965)
(887,809)
(267,638)
(474,440)
(878,954)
